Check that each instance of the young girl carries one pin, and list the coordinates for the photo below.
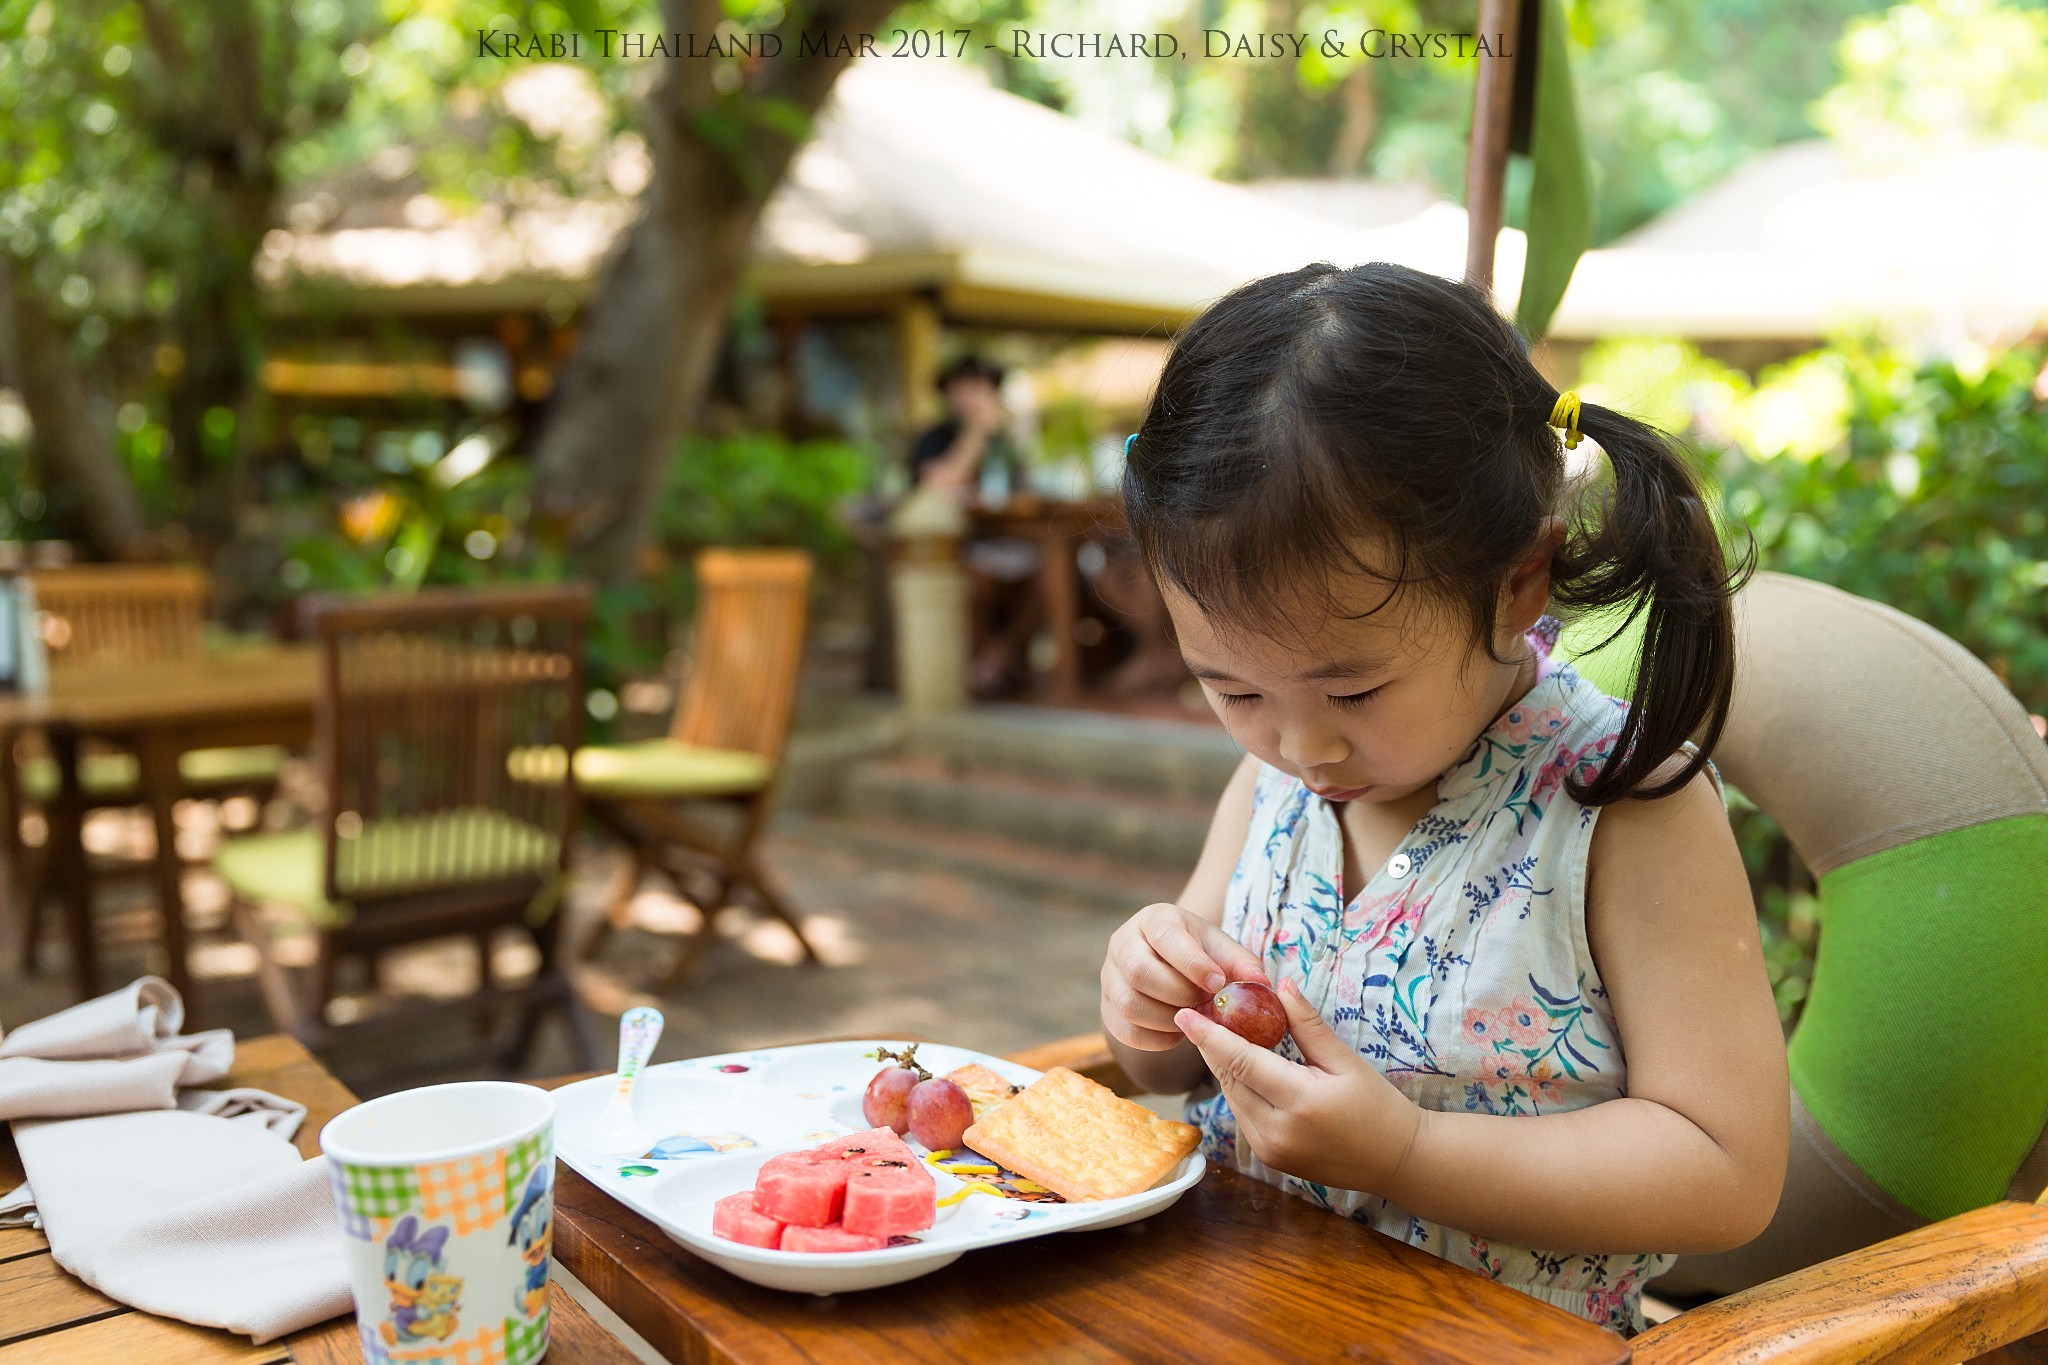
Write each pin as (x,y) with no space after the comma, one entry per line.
(1531,1028)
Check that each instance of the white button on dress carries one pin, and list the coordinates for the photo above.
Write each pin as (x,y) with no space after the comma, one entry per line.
(1399,866)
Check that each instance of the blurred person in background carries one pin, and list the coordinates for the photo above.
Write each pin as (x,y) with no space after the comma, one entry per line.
(970,457)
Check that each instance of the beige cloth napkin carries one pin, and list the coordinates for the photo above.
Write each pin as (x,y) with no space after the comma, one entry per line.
(191,1205)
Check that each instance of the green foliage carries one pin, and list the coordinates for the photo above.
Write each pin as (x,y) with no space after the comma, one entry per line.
(1940,69)
(1932,496)
(1920,483)
(411,512)
(756,488)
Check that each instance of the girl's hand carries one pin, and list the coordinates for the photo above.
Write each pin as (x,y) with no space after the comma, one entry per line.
(1335,1121)
(1164,959)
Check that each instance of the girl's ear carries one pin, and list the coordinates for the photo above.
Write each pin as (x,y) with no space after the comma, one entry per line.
(1526,595)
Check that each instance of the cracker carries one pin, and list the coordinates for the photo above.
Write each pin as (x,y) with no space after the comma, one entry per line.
(1081,1140)
(985,1089)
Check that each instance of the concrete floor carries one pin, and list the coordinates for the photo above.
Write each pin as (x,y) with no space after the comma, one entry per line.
(908,951)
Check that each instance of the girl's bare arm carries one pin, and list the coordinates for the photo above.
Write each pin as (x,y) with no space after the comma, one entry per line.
(1693,1158)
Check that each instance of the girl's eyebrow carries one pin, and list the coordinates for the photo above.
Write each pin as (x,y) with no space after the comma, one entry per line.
(1323,672)
(1343,668)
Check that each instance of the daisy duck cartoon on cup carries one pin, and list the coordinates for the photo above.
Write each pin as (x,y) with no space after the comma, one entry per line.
(424,1296)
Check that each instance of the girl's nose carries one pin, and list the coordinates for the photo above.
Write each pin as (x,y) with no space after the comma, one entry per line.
(1308,747)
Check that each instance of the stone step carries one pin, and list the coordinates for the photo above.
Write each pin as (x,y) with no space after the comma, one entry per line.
(1091,880)
(1175,759)
(1143,828)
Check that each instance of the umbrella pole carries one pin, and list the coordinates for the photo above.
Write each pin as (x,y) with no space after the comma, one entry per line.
(1486,161)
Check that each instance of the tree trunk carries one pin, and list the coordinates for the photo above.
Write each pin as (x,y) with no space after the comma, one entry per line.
(655,326)
(71,448)
(1360,122)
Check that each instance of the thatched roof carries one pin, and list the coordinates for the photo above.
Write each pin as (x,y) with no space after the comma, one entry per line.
(920,177)
(1805,238)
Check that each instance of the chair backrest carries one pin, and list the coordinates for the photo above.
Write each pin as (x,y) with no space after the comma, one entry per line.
(749,642)
(119,613)
(1908,780)
(447,723)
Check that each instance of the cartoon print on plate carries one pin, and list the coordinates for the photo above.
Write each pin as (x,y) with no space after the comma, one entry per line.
(424,1296)
(690,1144)
(533,1229)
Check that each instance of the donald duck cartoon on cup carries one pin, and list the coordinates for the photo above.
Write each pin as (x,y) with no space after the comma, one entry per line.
(424,1296)
(533,1226)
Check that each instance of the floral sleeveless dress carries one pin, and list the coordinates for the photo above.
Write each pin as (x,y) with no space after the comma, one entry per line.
(1461,967)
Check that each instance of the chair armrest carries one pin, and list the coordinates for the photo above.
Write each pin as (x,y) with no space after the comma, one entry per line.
(1087,1053)
(1948,1291)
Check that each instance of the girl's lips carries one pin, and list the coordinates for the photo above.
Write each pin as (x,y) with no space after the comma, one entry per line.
(1341,794)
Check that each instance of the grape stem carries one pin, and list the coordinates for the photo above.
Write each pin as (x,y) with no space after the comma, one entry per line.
(907,1059)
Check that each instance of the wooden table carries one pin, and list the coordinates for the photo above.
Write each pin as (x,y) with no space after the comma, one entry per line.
(1235,1271)
(1058,528)
(49,1318)
(157,711)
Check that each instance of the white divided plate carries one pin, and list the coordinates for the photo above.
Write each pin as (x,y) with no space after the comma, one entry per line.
(717,1119)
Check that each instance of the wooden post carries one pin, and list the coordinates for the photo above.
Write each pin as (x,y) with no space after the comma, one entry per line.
(917,361)
(1486,161)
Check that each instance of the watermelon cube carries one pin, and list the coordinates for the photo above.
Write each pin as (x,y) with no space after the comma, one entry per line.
(874,1143)
(802,1188)
(833,1237)
(734,1219)
(885,1198)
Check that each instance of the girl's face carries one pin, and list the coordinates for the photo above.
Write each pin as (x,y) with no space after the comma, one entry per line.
(1363,707)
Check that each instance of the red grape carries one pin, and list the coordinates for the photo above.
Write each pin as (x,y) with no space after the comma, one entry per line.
(940,1114)
(887,1101)
(1250,1010)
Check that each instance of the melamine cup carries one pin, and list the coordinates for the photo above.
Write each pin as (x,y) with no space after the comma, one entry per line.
(447,1200)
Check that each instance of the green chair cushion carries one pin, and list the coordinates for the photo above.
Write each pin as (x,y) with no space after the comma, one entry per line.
(406,853)
(117,777)
(662,768)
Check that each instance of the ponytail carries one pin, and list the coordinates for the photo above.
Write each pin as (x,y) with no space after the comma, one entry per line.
(1655,550)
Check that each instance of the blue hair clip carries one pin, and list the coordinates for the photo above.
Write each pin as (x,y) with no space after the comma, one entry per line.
(1127,444)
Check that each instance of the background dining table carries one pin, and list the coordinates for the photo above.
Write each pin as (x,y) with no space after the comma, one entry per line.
(241,694)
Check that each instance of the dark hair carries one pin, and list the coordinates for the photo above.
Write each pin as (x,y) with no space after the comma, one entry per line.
(970,366)
(1308,410)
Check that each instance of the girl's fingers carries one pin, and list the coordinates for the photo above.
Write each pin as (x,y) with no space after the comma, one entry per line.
(1149,1040)
(1238,962)
(1253,1073)
(1320,1046)
(1144,1012)
(1151,977)
(1201,952)
(1171,939)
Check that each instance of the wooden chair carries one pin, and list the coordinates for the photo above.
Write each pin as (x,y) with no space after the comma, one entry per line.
(724,746)
(102,615)
(445,730)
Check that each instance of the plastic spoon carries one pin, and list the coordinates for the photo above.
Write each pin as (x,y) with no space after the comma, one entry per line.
(617,1132)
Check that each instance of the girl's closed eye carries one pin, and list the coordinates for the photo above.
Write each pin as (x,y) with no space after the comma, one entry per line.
(1358,698)
(1238,698)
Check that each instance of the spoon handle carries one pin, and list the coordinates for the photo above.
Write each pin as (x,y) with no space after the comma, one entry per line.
(639,1031)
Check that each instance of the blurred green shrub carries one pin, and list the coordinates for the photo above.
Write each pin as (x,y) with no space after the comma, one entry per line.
(412,512)
(757,488)
(1931,496)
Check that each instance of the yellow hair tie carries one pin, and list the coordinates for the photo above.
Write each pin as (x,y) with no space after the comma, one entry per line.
(1565,417)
